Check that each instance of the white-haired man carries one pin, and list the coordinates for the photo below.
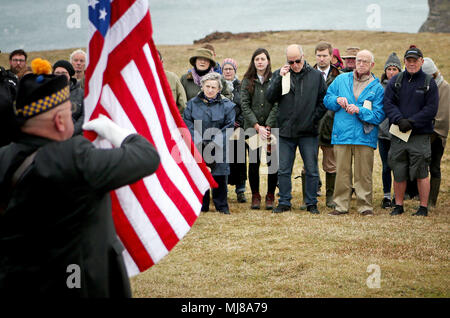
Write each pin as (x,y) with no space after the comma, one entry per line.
(78,61)
(357,100)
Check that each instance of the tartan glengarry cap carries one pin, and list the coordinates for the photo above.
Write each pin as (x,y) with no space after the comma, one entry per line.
(39,93)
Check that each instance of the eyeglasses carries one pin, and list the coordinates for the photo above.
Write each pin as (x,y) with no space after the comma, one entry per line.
(296,61)
(18,60)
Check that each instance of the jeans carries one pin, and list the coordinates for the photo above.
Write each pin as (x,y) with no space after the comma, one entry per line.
(384,145)
(308,150)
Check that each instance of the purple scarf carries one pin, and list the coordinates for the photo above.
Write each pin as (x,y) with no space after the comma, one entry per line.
(197,77)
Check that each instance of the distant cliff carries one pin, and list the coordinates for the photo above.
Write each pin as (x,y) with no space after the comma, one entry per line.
(438,17)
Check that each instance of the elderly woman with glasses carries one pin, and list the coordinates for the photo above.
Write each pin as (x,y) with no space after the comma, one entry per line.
(207,116)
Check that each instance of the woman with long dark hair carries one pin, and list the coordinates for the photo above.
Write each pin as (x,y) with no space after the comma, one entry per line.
(260,115)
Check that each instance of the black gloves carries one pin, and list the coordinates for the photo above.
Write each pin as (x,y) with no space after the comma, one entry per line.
(404,125)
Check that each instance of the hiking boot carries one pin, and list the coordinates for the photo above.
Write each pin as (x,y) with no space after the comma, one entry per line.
(241,197)
(422,211)
(386,203)
(270,198)
(281,208)
(225,211)
(256,201)
(336,212)
(313,209)
(398,209)
(367,212)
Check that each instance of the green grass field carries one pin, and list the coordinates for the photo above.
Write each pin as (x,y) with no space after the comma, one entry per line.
(254,253)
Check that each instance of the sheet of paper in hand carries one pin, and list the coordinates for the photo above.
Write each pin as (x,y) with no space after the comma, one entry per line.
(394,130)
(367,104)
(286,83)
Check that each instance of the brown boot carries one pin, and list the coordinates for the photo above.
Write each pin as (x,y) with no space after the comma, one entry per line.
(270,198)
(256,201)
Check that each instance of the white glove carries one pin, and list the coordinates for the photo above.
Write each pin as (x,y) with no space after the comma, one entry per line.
(106,128)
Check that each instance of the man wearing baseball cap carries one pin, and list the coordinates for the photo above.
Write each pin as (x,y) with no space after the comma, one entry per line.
(57,236)
(411,103)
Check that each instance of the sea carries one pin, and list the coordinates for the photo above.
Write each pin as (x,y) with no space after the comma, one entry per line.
(36,25)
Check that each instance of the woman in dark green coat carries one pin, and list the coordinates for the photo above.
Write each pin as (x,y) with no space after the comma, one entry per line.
(203,63)
(259,116)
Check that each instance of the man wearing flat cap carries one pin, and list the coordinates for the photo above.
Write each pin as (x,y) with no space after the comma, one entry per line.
(349,58)
(63,67)
(411,102)
(57,237)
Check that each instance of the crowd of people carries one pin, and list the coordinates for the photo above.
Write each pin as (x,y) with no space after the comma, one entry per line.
(337,105)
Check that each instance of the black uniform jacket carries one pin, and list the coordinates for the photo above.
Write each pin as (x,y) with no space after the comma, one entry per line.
(59,216)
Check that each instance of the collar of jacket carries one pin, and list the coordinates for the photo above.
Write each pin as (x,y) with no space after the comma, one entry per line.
(256,79)
(333,70)
(33,140)
(411,77)
(209,101)
(305,69)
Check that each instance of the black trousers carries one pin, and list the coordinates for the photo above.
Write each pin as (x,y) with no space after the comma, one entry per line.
(253,174)
(219,195)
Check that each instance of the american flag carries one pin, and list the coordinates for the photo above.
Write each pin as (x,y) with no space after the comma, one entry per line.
(125,81)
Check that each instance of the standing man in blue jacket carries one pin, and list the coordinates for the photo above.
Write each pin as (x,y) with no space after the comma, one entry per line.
(412,104)
(357,100)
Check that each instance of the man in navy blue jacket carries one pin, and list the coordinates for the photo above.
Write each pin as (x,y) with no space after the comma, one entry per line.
(412,105)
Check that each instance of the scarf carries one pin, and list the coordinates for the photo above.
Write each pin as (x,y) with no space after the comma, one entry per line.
(197,75)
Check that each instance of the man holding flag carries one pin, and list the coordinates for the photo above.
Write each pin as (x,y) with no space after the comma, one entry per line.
(56,232)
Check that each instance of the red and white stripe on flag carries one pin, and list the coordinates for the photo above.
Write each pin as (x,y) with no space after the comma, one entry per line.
(126,82)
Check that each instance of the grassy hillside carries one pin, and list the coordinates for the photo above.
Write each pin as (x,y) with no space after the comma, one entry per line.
(257,254)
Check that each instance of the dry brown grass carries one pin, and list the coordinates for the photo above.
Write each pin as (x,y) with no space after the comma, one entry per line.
(258,254)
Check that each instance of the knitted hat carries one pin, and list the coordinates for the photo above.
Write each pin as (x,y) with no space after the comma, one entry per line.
(393,60)
(39,92)
(428,66)
(350,53)
(231,62)
(205,53)
(65,64)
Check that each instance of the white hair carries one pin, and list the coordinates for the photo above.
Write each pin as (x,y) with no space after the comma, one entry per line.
(76,52)
(213,76)
(367,52)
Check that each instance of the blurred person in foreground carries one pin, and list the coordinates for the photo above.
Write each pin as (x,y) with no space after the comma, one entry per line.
(55,207)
